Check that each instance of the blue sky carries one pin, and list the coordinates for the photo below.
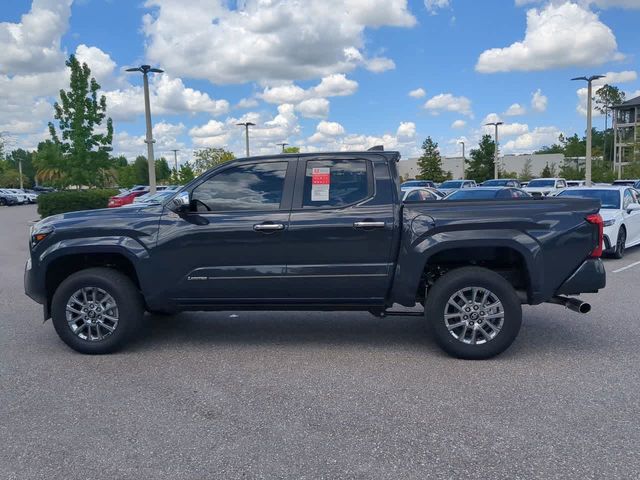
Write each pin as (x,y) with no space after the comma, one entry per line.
(320,74)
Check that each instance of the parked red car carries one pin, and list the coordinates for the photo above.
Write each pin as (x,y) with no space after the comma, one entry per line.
(125,198)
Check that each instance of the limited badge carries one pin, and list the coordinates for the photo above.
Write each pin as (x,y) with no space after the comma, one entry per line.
(320,184)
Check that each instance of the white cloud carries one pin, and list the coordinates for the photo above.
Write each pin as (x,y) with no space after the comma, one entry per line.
(168,96)
(33,45)
(266,41)
(539,101)
(632,4)
(313,108)
(335,85)
(459,124)
(406,130)
(101,65)
(284,94)
(515,110)
(491,118)
(610,78)
(330,128)
(450,103)
(557,36)
(531,141)
(434,5)
(418,93)
(506,129)
(380,64)
(325,131)
(247,103)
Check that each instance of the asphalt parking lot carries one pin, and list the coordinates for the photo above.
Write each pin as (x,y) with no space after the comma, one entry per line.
(319,395)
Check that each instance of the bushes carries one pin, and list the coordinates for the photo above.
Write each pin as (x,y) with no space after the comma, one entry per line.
(73,200)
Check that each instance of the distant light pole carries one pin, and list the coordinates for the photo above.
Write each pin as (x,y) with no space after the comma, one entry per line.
(463,158)
(589,80)
(246,126)
(175,157)
(145,69)
(495,153)
(283,144)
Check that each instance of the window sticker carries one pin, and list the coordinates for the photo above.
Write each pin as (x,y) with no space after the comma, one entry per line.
(320,183)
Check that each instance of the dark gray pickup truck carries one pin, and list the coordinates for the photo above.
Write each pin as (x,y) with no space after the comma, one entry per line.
(315,232)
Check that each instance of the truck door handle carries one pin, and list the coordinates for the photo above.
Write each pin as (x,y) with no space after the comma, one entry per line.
(268,227)
(368,224)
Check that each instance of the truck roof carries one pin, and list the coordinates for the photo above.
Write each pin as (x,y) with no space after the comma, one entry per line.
(389,154)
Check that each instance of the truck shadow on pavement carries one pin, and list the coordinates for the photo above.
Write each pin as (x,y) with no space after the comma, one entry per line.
(539,335)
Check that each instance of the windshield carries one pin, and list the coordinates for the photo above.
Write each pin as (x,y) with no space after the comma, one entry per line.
(608,198)
(495,183)
(451,184)
(541,183)
(472,194)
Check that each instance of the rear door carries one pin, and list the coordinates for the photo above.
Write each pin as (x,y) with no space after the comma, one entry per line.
(341,231)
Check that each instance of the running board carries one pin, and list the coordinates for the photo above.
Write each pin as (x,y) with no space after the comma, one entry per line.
(397,313)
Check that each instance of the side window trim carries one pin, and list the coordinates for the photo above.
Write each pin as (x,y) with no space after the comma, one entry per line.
(287,187)
(298,195)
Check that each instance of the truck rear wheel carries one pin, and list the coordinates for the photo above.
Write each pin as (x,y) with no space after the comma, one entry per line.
(96,310)
(473,312)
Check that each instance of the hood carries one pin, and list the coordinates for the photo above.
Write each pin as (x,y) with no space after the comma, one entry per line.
(103,218)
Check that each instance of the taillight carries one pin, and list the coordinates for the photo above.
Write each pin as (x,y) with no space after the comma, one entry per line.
(596,219)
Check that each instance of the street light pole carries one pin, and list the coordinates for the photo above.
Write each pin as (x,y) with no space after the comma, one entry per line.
(587,167)
(283,144)
(463,158)
(175,158)
(145,69)
(495,152)
(246,126)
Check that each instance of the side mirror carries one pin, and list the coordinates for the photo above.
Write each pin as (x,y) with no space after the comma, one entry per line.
(634,207)
(181,202)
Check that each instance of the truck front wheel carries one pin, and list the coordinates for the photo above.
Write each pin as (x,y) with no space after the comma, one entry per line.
(96,310)
(473,312)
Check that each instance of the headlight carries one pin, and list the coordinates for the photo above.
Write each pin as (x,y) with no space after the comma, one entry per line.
(38,234)
(608,223)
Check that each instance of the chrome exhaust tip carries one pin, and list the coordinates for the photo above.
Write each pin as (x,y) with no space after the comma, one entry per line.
(573,304)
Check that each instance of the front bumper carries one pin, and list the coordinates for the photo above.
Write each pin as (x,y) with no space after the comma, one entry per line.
(32,284)
(588,278)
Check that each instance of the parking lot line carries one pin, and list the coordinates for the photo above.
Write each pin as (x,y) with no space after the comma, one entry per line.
(627,267)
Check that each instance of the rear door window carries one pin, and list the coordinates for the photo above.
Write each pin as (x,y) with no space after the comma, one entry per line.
(335,183)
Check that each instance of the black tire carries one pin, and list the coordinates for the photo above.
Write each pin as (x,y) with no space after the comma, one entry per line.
(621,242)
(3,202)
(457,280)
(124,292)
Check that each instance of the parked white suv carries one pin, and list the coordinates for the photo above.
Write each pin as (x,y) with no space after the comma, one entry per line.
(540,187)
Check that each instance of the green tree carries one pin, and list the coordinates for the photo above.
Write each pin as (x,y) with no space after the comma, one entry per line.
(26,158)
(526,173)
(207,158)
(119,161)
(10,178)
(430,162)
(480,165)
(607,96)
(141,170)
(292,150)
(163,172)
(50,165)
(549,171)
(79,113)
(186,174)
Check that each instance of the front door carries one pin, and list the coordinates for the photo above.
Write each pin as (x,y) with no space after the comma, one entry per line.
(341,232)
(230,247)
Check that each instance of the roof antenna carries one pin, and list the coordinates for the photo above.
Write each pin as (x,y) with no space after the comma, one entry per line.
(376,148)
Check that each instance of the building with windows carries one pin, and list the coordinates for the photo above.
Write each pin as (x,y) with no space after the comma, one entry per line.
(626,133)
